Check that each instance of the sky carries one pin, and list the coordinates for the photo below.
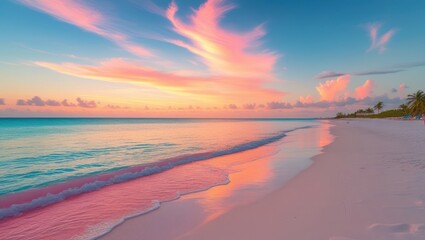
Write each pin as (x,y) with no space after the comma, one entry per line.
(208,58)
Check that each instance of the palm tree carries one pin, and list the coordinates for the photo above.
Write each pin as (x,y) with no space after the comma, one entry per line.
(369,110)
(379,106)
(416,102)
(340,115)
(404,108)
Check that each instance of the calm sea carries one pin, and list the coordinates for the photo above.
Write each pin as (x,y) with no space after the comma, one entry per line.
(47,163)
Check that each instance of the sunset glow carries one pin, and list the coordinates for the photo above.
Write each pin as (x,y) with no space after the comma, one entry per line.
(212,119)
(214,58)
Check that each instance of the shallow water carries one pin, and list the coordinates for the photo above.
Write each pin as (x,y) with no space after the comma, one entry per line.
(58,156)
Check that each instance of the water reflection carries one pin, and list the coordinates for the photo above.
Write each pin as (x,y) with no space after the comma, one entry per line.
(274,165)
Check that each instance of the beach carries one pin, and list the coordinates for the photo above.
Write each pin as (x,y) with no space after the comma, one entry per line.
(212,120)
(91,186)
(369,183)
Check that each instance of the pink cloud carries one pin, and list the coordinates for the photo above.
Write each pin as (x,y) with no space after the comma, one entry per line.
(225,52)
(80,14)
(135,49)
(365,90)
(402,90)
(334,90)
(120,70)
(379,42)
(306,99)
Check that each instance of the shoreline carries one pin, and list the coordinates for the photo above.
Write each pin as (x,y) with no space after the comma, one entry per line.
(256,174)
(89,215)
(367,184)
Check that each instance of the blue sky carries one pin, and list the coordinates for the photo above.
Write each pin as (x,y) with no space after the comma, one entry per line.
(297,40)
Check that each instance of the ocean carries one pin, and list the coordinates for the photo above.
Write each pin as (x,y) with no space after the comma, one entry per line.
(77,178)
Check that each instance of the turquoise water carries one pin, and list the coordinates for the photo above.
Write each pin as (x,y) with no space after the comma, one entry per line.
(80,178)
(39,152)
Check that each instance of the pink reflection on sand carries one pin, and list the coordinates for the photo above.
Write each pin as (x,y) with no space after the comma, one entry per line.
(325,137)
(258,170)
(254,172)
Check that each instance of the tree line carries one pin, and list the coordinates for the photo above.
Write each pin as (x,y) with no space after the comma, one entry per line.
(414,106)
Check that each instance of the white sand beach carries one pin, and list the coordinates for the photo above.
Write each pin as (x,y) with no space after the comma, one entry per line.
(369,184)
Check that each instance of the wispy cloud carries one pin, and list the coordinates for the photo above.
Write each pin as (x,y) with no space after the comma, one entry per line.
(279,105)
(249,106)
(225,52)
(65,103)
(2,101)
(232,106)
(150,6)
(237,62)
(72,56)
(395,68)
(409,65)
(121,70)
(306,99)
(319,104)
(117,69)
(112,106)
(79,13)
(86,103)
(39,102)
(348,101)
(378,72)
(238,65)
(330,74)
(10,63)
(379,42)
